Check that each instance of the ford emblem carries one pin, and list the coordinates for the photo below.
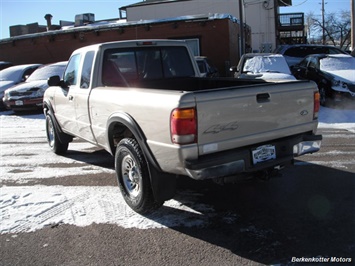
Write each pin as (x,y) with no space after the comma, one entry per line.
(304,112)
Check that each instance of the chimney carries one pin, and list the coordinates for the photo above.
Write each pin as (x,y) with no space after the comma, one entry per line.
(48,17)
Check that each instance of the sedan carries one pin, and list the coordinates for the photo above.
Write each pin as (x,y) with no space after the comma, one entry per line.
(295,53)
(271,67)
(14,75)
(334,75)
(29,94)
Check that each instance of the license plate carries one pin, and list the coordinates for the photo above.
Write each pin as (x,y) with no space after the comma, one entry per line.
(19,103)
(264,153)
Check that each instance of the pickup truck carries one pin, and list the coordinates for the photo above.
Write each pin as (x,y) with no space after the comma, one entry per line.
(145,103)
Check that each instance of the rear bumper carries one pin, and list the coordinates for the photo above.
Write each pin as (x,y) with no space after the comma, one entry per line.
(238,161)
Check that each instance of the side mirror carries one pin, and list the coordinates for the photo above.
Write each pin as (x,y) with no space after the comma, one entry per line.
(56,81)
(53,81)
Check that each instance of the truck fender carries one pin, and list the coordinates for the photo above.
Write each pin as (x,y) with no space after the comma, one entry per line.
(163,184)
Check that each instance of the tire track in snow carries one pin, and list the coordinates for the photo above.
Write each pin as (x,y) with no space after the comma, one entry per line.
(23,209)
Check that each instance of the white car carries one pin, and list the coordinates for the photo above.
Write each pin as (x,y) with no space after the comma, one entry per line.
(271,67)
(14,75)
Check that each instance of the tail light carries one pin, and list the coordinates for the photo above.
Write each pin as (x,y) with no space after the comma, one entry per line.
(183,126)
(316,105)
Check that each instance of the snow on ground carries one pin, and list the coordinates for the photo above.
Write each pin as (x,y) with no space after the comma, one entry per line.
(25,209)
(28,208)
(337,118)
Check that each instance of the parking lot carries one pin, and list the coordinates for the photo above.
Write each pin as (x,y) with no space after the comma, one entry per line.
(67,210)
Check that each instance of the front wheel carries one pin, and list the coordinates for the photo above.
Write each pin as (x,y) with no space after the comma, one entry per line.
(56,145)
(133,177)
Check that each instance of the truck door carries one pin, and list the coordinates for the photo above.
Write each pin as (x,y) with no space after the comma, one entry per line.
(82,98)
(64,99)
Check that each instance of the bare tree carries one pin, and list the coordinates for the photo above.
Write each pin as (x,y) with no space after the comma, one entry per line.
(337,27)
(312,29)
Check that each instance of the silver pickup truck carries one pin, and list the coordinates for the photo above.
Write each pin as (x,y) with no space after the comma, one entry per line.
(144,102)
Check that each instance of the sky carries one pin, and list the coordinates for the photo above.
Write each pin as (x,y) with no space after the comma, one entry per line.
(22,12)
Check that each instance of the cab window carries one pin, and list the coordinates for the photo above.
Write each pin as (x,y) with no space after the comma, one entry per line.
(71,72)
(86,73)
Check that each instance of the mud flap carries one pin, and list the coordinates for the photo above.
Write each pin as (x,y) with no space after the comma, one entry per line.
(163,184)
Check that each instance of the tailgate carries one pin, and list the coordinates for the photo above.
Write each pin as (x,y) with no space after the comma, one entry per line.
(230,118)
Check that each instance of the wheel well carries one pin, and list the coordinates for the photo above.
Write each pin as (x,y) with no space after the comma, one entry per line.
(117,132)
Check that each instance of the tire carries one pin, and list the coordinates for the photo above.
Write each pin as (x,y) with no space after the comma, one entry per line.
(134,178)
(56,145)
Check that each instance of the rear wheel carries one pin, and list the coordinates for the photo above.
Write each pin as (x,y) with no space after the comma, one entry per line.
(133,177)
(56,145)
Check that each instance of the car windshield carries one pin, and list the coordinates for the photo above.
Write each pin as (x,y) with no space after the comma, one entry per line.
(46,72)
(10,74)
(259,64)
(337,63)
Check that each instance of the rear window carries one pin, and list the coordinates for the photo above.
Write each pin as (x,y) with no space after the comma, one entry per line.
(124,66)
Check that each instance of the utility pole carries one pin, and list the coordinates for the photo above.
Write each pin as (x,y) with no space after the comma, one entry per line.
(241,29)
(323,23)
(352,8)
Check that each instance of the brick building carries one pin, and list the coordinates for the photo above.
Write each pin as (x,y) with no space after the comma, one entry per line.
(213,35)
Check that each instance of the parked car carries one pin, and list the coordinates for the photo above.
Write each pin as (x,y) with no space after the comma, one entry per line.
(295,53)
(14,75)
(264,66)
(29,94)
(4,64)
(206,67)
(334,75)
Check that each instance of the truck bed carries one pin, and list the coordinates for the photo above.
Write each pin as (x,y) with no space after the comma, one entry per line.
(193,83)
(234,113)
